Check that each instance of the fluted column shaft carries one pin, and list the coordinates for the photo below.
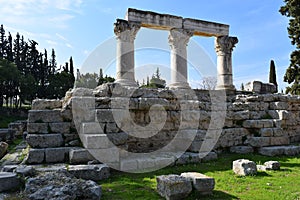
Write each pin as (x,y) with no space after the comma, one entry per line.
(125,34)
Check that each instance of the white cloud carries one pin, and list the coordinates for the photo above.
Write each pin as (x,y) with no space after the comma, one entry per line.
(69,45)
(41,13)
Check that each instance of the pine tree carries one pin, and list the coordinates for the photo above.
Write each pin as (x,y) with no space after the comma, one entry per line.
(291,9)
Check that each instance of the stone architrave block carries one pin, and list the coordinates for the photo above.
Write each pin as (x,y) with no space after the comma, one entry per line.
(35,156)
(62,127)
(37,127)
(56,155)
(90,172)
(202,183)
(9,181)
(80,156)
(45,140)
(46,104)
(154,20)
(244,167)
(44,116)
(241,149)
(272,165)
(173,187)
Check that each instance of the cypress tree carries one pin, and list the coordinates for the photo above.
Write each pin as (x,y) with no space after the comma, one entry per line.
(272,74)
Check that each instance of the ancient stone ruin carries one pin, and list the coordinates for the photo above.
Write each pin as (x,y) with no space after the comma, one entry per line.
(138,129)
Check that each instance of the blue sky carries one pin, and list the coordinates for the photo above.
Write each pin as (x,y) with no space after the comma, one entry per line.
(77,27)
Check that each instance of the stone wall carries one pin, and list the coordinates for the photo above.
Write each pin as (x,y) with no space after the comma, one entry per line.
(251,120)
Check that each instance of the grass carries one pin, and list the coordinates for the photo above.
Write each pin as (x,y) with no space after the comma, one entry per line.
(282,184)
(6,119)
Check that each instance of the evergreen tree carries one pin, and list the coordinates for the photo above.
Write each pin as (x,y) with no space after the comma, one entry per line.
(242,87)
(17,52)
(291,9)
(2,41)
(71,66)
(9,49)
(272,75)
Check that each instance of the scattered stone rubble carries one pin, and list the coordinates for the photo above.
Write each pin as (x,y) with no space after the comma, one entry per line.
(244,167)
(61,185)
(173,187)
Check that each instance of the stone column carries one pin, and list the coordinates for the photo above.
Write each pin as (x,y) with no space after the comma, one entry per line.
(224,46)
(178,40)
(125,34)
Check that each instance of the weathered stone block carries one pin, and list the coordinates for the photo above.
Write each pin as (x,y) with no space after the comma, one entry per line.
(35,156)
(90,172)
(279,105)
(279,141)
(80,156)
(45,140)
(37,127)
(43,116)
(241,149)
(188,157)
(244,167)
(202,183)
(105,115)
(263,123)
(266,132)
(62,127)
(46,104)
(272,165)
(279,150)
(9,181)
(57,155)
(173,187)
(96,141)
(258,141)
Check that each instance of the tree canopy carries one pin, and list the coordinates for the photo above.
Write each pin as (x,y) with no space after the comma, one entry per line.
(26,73)
(291,9)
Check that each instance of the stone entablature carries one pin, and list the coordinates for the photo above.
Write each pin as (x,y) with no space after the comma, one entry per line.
(167,22)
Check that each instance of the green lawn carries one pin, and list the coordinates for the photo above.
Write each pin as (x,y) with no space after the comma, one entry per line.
(275,185)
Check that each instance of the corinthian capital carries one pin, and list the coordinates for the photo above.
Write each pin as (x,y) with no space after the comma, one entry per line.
(126,31)
(225,44)
(179,38)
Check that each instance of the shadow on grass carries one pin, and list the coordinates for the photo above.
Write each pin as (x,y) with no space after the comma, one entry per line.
(216,195)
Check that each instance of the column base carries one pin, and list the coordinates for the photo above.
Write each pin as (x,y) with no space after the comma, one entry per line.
(230,89)
(126,82)
(179,85)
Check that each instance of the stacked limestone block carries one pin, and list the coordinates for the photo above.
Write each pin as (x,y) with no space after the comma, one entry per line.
(253,120)
(51,133)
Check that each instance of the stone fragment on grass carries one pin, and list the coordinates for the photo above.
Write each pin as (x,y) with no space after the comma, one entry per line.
(244,167)
(202,183)
(173,187)
(272,165)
